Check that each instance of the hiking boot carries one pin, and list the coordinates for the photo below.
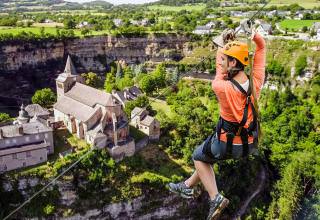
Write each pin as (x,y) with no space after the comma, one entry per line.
(217,205)
(181,189)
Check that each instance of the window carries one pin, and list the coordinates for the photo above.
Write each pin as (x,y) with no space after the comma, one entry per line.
(7,142)
(14,141)
(41,158)
(60,85)
(46,135)
(14,156)
(28,153)
(27,139)
(24,164)
(5,167)
(37,137)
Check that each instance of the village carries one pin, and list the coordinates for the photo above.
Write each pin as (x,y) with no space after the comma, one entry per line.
(88,113)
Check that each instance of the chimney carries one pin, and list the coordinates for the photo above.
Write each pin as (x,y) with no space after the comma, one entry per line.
(20,130)
(1,134)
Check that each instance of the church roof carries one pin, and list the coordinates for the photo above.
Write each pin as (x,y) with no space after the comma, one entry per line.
(70,69)
(74,108)
(89,96)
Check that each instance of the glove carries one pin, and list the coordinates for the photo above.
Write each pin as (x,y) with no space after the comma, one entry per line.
(246,26)
(226,36)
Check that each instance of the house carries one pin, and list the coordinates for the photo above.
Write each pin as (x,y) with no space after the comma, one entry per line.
(83,24)
(48,21)
(316,26)
(202,30)
(24,143)
(264,29)
(236,14)
(128,94)
(145,123)
(91,114)
(117,22)
(211,24)
(211,16)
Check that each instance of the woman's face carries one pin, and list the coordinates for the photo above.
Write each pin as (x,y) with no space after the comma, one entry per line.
(225,65)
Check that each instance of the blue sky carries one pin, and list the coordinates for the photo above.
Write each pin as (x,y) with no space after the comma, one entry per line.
(117,2)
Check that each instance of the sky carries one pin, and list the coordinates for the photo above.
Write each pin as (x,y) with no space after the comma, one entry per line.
(117,2)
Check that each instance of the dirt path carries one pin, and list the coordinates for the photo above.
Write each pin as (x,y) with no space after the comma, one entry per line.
(261,181)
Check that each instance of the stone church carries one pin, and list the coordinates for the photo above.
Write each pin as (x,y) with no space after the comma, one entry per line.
(91,114)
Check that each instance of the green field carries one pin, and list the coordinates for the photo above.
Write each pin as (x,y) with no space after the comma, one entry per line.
(161,105)
(308,4)
(296,24)
(50,30)
(193,7)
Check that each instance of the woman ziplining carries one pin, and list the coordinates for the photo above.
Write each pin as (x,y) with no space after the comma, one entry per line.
(236,134)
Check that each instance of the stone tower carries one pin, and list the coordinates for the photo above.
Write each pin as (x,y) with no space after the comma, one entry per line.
(67,79)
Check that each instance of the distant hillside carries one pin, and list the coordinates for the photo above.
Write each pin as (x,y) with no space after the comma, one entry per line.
(35,5)
(98,3)
(181,2)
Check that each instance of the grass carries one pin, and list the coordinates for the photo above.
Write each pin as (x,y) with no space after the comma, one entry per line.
(136,134)
(49,30)
(188,7)
(160,105)
(308,4)
(296,24)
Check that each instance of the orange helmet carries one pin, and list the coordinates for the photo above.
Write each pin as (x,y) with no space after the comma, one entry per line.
(238,50)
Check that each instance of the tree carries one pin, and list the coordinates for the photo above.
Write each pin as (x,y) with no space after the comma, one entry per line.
(159,76)
(92,79)
(4,117)
(44,97)
(301,64)
(304,29)
(69,23)
(85,31)
(110,83)
(147,84)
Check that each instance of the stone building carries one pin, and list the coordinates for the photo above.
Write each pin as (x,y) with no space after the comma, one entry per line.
(128,94)
(91,114)
(145,123)
(24,143)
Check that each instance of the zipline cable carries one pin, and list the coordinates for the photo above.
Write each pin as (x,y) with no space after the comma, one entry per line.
(93,148)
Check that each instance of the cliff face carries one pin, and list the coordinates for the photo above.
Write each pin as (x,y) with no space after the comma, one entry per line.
(91,54)
(28,66)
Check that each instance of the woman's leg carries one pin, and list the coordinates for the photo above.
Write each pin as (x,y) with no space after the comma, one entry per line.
(192,180)
(205,172)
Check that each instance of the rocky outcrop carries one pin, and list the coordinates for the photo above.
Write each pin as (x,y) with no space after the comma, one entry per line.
(91,54)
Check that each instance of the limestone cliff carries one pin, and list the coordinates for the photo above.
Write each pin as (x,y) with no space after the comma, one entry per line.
(90,54)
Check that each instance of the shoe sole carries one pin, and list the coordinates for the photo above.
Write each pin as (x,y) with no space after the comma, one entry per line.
(180,194)
(219,210)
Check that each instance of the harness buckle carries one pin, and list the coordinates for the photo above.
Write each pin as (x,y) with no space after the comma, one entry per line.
(248,100)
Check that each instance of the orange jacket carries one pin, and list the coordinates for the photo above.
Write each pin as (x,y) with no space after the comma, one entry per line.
(231,100)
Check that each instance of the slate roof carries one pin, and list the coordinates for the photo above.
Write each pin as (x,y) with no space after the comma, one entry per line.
(35,109)
(23,148)
(148,120)
(77,109)
(33,127)
(89,96)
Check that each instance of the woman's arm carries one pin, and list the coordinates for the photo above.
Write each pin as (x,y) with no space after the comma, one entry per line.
(259,62)
(218,81)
